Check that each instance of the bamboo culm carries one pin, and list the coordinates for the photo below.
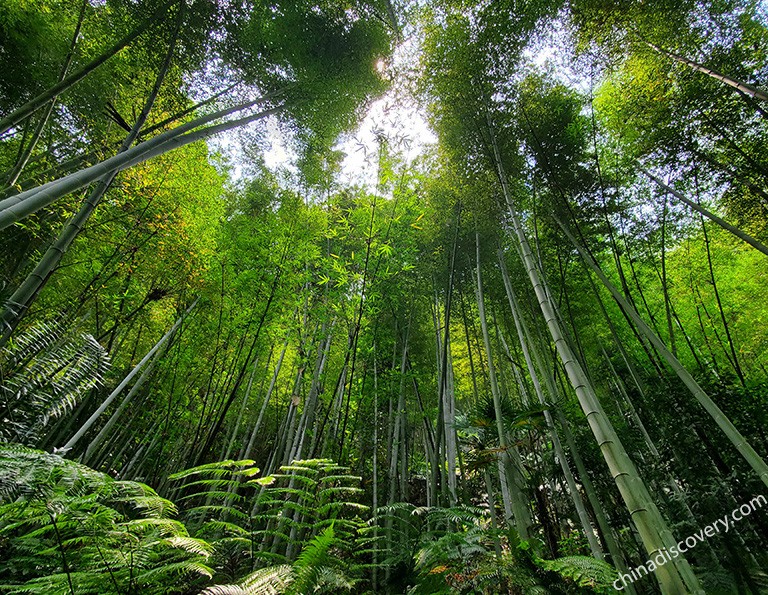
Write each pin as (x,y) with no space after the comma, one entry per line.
(18,115)
(18,207)
(738,440)
(115,393)
(756,244)
(25,294)
(675,578)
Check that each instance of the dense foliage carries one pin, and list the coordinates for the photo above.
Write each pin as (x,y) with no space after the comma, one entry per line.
(526,360)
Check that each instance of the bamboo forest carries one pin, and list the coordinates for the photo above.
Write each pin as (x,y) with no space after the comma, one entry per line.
(383,296)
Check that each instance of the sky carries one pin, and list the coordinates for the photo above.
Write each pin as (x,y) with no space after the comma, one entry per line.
(395,115)
(403,124)
(400,121)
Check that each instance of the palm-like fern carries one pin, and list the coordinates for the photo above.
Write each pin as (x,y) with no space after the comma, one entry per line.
(403,534)
(317,571)
(303,499)
(45,375)
(451,550)
(67,528)
(520,571)
(294,511)
(214,488)
(314,571)
(583,571)
(271,580)
(217,499)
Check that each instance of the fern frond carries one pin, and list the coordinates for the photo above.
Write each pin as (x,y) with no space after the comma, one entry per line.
(213,494)
(309,482)
(271,556)
(265,581)
(152,504)
(224,528)
(221,509)
(334,506)
(158,575)
(218,469)
(45,377)
(582,570)
(191,545)
(110,530)
(340,490)
(344,478)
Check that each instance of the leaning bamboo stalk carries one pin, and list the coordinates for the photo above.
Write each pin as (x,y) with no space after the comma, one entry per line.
(756,244)
(310,409)
(675,577)
(115,393)
(725,79)
(511,494)
(578,502)
(545,367)
(246,453)
(94,446)
(40,100)
(73,163)
(26,293)
(737,439)
(619,383)
(23,159)
(121,161)
(16,208)
(375,467)
(227,450)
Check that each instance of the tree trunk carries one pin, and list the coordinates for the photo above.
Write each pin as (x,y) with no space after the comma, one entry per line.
(115,393)
(441,432)
(93,446)
(731,347)
(675,577)
(248,450)
(375,465)
(37,102)
(738,440)
(227,451)
(397,433)
(664,282)
(632,411)
(309,411)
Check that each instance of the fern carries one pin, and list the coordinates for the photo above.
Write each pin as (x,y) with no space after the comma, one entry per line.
(216,497)
(67,527)
(583,571)
(315,570)
(219,469)
(313,558)
(215,486)
(35,339)
(45,377)
(305,499)
(265,581)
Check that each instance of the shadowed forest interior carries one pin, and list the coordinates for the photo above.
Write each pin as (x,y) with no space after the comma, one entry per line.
(383,296)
